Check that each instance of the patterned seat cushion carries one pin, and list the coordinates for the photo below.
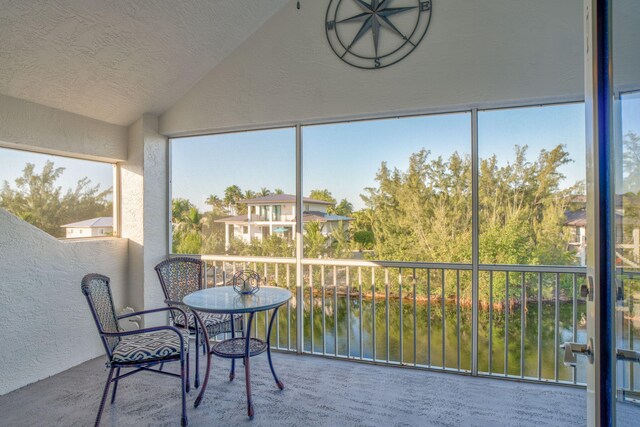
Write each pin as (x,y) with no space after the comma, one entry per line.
(214,322)
(150,346)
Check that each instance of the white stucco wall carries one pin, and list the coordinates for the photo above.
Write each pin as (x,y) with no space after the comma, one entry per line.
(45,323)
(131,202)
(29,126)
(155,210)
(144,213)
(474,53)
(116,60)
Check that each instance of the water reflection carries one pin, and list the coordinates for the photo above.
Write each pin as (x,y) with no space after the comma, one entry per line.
(431,332)
(356,320)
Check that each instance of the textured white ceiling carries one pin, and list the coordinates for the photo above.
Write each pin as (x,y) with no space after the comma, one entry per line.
(115,60)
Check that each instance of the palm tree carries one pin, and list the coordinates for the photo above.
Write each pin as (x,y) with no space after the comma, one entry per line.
(315,242)
(323,194)
(264,191)
(187,227)
(189,222)
(213,200)
(344,208)
(217,205)
(232,195)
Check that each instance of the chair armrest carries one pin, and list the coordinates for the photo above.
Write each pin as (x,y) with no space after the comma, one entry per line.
(155,310)
(143,331)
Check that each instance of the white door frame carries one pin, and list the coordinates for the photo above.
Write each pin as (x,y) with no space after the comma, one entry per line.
(601,384)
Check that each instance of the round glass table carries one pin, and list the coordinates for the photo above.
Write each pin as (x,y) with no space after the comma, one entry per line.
(226,300)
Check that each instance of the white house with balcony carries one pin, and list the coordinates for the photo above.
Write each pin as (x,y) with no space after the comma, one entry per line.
(627,249)
(276,214)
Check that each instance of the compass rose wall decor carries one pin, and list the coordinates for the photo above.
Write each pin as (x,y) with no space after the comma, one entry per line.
(373,34)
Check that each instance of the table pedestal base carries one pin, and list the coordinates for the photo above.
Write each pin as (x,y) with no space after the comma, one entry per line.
(241,348)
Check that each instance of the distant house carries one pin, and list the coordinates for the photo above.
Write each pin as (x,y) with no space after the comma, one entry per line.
(276,214)
(576,221)
(95,227)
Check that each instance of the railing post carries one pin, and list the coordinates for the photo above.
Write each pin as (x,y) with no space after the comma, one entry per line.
(475,231)
(299,245)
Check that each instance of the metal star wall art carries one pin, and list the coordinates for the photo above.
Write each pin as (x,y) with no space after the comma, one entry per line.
(396,28)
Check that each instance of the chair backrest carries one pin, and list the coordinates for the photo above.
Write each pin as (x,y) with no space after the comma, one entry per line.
(179,277)
(98,292)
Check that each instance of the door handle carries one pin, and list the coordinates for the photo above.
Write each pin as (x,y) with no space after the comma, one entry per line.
(630,355)
(573,349)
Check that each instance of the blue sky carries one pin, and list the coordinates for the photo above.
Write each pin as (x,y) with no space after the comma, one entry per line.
(499,131)
(345,157)
(631,113)
(207,165)
(630,123)
(12,162)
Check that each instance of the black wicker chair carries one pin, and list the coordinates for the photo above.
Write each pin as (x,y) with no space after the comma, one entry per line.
(181,276)
(139,349)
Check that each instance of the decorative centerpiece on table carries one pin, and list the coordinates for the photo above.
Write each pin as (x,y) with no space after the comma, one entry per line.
(246,282)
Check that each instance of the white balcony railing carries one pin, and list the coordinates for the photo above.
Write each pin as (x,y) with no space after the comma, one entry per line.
(419,314)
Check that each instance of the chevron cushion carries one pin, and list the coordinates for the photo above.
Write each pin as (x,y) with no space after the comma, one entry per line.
(214,322)
(150,346)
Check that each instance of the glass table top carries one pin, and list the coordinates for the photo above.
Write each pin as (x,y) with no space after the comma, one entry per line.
(225,300)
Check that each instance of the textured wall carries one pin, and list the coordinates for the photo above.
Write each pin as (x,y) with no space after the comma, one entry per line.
(45,322)
(474,53)
(131,203)
(35,127)
(114,60)
(155,209)
(144,212)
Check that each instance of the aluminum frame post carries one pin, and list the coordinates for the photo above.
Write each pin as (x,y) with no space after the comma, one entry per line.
(299,245)
(475,232)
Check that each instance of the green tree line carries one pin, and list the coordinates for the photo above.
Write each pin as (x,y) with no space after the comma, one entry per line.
(422,213)
(36,198)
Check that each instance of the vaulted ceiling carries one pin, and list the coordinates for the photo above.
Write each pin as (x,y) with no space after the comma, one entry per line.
(115,60)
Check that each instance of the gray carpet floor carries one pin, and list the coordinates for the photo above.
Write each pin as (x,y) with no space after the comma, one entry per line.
(319,392)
